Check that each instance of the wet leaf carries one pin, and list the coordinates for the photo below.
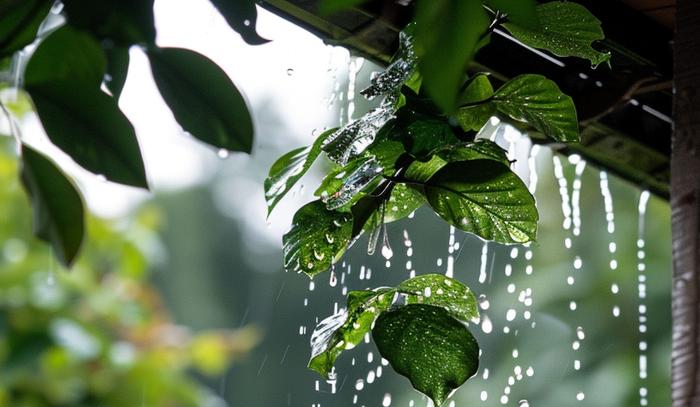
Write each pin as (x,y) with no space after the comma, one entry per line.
(346,185)
(241,15)
(537,101)
(402,202)
(445,292)
(67,55)
(475,114)
(58,207)
(422,135)
(424,343)
(521,12)
(124,22)
(566,29)
(19,23)
(317,239)
(346,329)
(447,33)
(289,169)
(353,138)
(117,69)
(87,125)
(402,70)
(486,198)
(202,98)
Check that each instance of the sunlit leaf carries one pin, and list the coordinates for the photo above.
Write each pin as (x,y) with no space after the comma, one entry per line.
(242,16)
(87,125)
(445,292)
(346,329)
(124,22)
(566,29)
(317,239)
(66,55)
(447,33)
(486,198)
(202,98)
(424,343)
(58,207)
(289,169)
(19,23)
(537,101)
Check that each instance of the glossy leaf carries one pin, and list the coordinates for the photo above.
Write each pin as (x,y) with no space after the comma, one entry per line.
(123,22)
(485,198)
(424,343)
(202,98)
(19,23)
(58,207)
(241,15)
(352,139)
(478,149)
(66,55)
(402,69)
(423,135)
(447,33)
(289,169)
(87,125)
(445,292)
(521,12)
(566,29)
(346,329)
(117,69)
(317,239)
(537,101)
(402,202)
(473,114)
(346,185)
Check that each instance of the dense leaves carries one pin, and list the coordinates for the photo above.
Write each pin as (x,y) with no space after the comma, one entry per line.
(565,29)
(317,239)
(485,198)
(57,205)
(289,169)
(436,352)
(537,101)
(202,97)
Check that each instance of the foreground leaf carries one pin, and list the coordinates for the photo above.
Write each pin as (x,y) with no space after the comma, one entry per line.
(19,23)
(117,69)
(202,98)
(346,329)
(317,239)
(87,125)
(522,12)
(424,343)
(242,16)
(123,22)
(447,33)
(67,55)
(445,292)
(566,29)
(289,169)
(57,205)
(537,101)
(474,114)
(486,198)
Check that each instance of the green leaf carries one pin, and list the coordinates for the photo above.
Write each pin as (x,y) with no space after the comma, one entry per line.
(203,99)
(424,343)
(87,125)
(117,69)
(445,292)
(346,329)
(521,12)
(241,15)
(345,185)
(289,169)
(19,23)
(67,55)
(566,29)
(402,202)
(332,6)
(124,22)
(475,110)
(57,205)
(447,33)
(317,239)
(537,101)
(353,139)
(422,135)
(402,70)
(485,198)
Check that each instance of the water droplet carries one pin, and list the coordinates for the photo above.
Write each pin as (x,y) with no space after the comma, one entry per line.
(290,71)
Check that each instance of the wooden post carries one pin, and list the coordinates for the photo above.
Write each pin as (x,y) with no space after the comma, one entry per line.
(685,206)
